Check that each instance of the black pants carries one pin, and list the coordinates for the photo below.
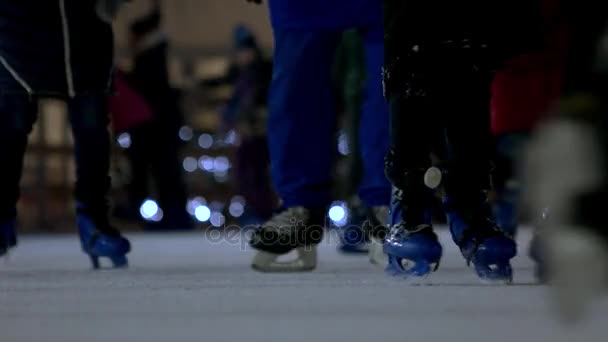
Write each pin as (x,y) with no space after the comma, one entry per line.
(443,105)
(88,115)
(439,94)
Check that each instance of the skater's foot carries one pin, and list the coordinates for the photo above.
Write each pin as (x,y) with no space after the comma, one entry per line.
(99,240)
(297,228)
(8,236)
(412,251)
(484,246)
(377,229)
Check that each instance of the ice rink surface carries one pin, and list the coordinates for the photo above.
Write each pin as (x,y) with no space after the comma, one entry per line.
(185,288)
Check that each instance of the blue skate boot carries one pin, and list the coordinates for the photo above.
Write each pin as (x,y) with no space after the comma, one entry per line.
(98,239)
(412,247)
(481,241)
(8,236)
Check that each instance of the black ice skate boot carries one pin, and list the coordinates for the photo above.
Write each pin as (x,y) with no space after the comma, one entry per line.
(297,228)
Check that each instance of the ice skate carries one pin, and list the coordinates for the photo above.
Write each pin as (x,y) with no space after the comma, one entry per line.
(482,243)
(293,229)
(8,236)
(412,251)
(106,243)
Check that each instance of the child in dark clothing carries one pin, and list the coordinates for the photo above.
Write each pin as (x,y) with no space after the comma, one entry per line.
(440,61)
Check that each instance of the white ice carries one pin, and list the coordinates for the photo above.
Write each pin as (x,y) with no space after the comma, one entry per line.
(183,288)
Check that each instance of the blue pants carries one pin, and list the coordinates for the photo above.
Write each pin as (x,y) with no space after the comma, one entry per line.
(302,117)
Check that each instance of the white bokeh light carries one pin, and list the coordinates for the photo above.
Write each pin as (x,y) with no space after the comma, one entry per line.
(221,164)
(338,214)
(194,203)
(236,209)
(205,141)
(186,133)
(124,140)
(149,209)
(202,213)
(206,163)
(190,164)
(217,219)
(343,145)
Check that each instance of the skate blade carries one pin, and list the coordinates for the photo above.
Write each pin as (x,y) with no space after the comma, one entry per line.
(578,261)
(376,253)
(268,262)
(411,272)
(108,263)
(492,276)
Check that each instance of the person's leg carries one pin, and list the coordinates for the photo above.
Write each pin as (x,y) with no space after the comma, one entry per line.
(300,135)
(413,126)
(17,116)
(301,118)
(465,99)
(89,117)
(465,95)
(374,189)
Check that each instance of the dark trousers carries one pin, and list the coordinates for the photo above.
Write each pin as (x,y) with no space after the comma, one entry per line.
(88,115)
(302,118)
(439,97)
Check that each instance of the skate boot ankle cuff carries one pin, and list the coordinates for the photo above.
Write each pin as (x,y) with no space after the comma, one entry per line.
(289,229)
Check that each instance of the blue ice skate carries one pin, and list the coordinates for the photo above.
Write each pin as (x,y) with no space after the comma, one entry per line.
(8,236)
(412,252)
(413,249)
(109,243)
(484,245)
